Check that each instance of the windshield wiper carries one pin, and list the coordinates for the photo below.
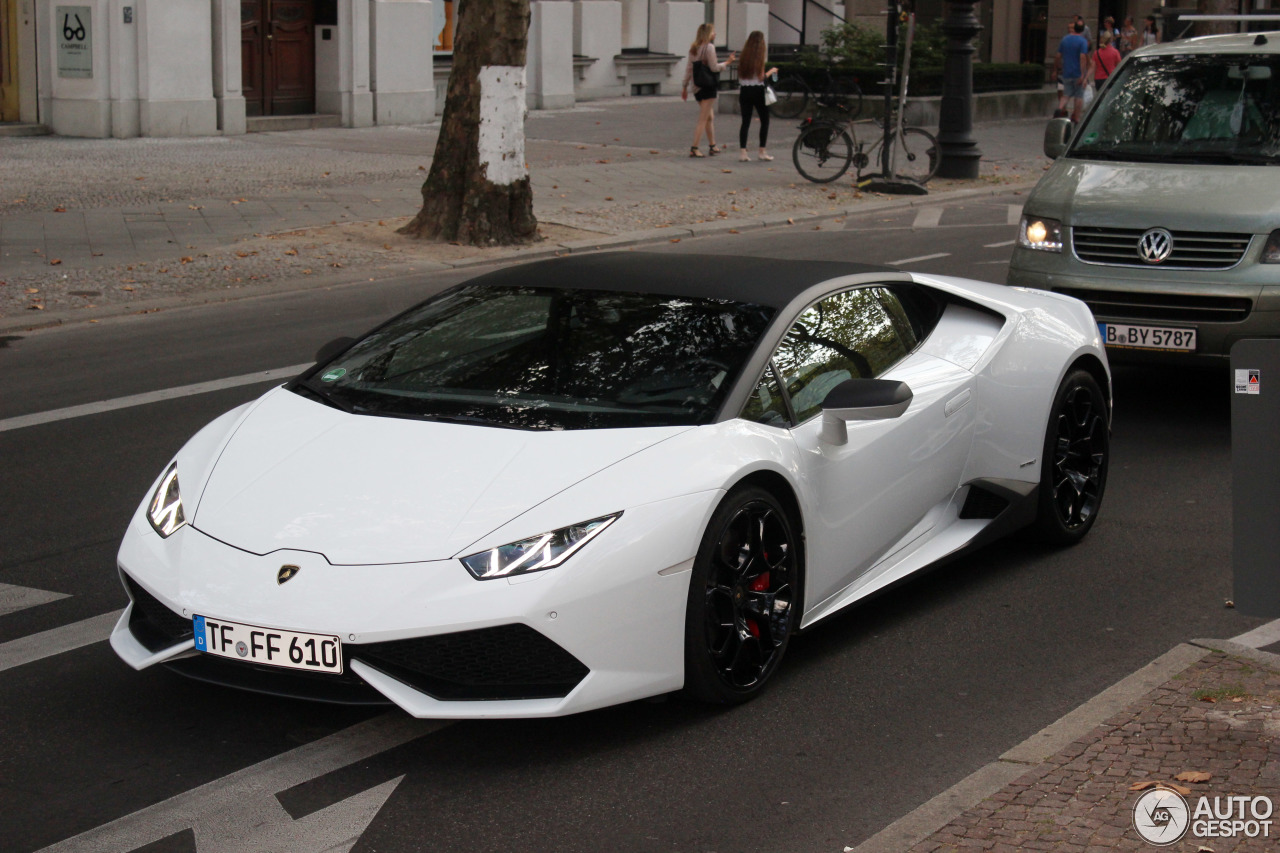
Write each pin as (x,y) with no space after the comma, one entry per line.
(307,391)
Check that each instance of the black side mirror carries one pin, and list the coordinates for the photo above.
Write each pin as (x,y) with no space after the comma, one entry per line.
(1057,133)
(333,348)
(862,400)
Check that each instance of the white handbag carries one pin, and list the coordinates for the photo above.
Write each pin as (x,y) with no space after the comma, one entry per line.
(770,96)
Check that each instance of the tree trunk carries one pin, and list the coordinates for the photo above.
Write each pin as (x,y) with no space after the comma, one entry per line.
(1216,7)
(477,191)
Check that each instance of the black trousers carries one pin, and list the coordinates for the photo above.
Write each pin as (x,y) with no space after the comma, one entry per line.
(752,98)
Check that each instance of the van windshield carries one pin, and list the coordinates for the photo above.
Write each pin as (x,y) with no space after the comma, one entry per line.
(1189,108)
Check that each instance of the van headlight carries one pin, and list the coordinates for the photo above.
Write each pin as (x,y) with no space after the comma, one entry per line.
(545,551)
(1271,251)
(165,510)
(1040,234)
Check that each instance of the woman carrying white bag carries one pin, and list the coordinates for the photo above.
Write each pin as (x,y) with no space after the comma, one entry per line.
(753,94)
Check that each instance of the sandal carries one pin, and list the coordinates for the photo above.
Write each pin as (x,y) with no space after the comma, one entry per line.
(716,149)
(694,152)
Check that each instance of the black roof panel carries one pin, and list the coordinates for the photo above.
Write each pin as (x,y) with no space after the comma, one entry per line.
(762,281)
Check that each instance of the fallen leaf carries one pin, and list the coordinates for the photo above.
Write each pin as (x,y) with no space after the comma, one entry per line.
(186,260)
(608,198)
(831,195)
(335,264)
(386,245)
(35,306)
(381,223)
(675,239)
(291,251)
(727,171)
(734,231)
(306,272)
(791,221)
(602,161)
(55,262)
(422,168)
(1194,776)
(59,210)
(33,290)
(654,151)
(195,207)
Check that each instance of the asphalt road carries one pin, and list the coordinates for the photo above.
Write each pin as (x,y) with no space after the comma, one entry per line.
(873,713)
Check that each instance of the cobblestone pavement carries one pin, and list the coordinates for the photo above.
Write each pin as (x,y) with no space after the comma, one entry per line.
(92,225)
(1220,716)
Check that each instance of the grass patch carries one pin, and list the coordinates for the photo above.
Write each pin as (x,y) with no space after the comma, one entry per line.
(1217,694)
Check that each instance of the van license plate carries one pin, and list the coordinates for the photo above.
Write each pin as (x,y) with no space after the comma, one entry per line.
(1148,337)
(253,644)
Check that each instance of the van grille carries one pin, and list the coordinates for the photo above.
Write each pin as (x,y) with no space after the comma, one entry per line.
(1120,305)
(1192,250)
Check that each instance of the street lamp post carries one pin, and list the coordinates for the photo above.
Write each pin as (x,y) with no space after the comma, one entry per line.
(959,150)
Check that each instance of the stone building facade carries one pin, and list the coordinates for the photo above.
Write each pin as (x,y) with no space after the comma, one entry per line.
(124,68)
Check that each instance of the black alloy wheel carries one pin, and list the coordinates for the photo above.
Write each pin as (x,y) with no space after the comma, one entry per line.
(1077,451)
(744,598)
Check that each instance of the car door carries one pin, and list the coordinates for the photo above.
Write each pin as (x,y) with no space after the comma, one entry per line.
(885,489)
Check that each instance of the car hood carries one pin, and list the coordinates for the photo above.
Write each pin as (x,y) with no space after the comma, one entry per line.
(1147,195)
(365,490)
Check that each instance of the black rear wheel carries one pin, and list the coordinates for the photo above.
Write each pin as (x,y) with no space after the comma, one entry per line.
(1077,453)
(744,598)
(822,152)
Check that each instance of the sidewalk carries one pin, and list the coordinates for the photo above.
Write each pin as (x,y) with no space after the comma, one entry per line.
(1209,707)
(95,227)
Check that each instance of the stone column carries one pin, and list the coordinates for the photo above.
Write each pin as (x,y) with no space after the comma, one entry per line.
(175,68)
(597,33)
(745,17)
(401,75)
(672,26)
(228,88)
(550,55)
(80,105)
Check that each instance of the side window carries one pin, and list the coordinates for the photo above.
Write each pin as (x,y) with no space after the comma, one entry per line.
(858,334)
(765,405)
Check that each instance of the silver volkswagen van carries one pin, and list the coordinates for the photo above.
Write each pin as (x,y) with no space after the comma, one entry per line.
(1162,212)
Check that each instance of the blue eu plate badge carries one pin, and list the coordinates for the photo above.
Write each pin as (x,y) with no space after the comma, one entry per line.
(202,643)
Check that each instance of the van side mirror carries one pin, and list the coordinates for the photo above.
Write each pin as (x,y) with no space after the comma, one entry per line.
(1057,133)
(331,349)
(861,400)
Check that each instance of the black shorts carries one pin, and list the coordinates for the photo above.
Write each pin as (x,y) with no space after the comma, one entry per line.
(704,94)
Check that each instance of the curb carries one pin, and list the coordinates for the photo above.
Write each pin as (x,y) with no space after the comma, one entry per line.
(628,240)
(931,816)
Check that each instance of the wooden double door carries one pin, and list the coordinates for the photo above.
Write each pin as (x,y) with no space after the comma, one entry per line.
(278,57)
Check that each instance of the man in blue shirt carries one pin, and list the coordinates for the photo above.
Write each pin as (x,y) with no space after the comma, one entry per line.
(1073,52)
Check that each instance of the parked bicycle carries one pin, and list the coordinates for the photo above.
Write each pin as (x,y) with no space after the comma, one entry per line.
(795,95)
(827,147)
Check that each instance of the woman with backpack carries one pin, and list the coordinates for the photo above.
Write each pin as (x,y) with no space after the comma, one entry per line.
(702,68)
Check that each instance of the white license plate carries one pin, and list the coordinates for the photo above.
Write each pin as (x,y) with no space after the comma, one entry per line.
(1148,337)
(270,646)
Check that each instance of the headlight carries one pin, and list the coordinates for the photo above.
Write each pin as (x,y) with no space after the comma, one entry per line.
(537,552)
(165,510)
(1271,251)
(1043,235)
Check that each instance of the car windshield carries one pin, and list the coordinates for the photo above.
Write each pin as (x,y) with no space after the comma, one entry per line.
(540,358)
(1188,108)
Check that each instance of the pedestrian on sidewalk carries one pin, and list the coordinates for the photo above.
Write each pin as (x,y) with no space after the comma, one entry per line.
(703,69)
(751,89)
(1104,59)
(1128,37)
(1073,55)
(1150,32)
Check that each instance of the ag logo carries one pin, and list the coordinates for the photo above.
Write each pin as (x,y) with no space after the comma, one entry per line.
(286,573)
(1155,245)
(1161,817)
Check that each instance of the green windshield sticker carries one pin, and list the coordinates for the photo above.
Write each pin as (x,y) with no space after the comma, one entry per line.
(1091,138)
(334,375)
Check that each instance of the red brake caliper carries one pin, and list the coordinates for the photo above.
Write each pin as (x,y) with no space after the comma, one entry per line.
(760,584)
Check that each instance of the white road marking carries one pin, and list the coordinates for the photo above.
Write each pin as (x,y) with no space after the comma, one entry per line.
(1015,214)
(240,813)
(917,260)
(149,397)
(1000,245)
(928,217)
(1263,635)
(55,641)
(15,598)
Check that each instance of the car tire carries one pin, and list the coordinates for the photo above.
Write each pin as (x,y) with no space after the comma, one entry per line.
(1076,454)
(744,598)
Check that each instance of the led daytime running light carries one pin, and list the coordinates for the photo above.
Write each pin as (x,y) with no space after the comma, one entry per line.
(1042,235)
(537,553)
(165,512)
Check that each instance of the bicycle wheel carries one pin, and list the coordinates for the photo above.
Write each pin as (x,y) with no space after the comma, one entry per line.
(915,154)
(792,94)
(822,152)
(848,94)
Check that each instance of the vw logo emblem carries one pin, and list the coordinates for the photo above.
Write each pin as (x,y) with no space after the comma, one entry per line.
(1155,245)
(286,573)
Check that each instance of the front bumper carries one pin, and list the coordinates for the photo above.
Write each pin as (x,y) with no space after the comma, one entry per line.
(1222,311)
(606,627)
